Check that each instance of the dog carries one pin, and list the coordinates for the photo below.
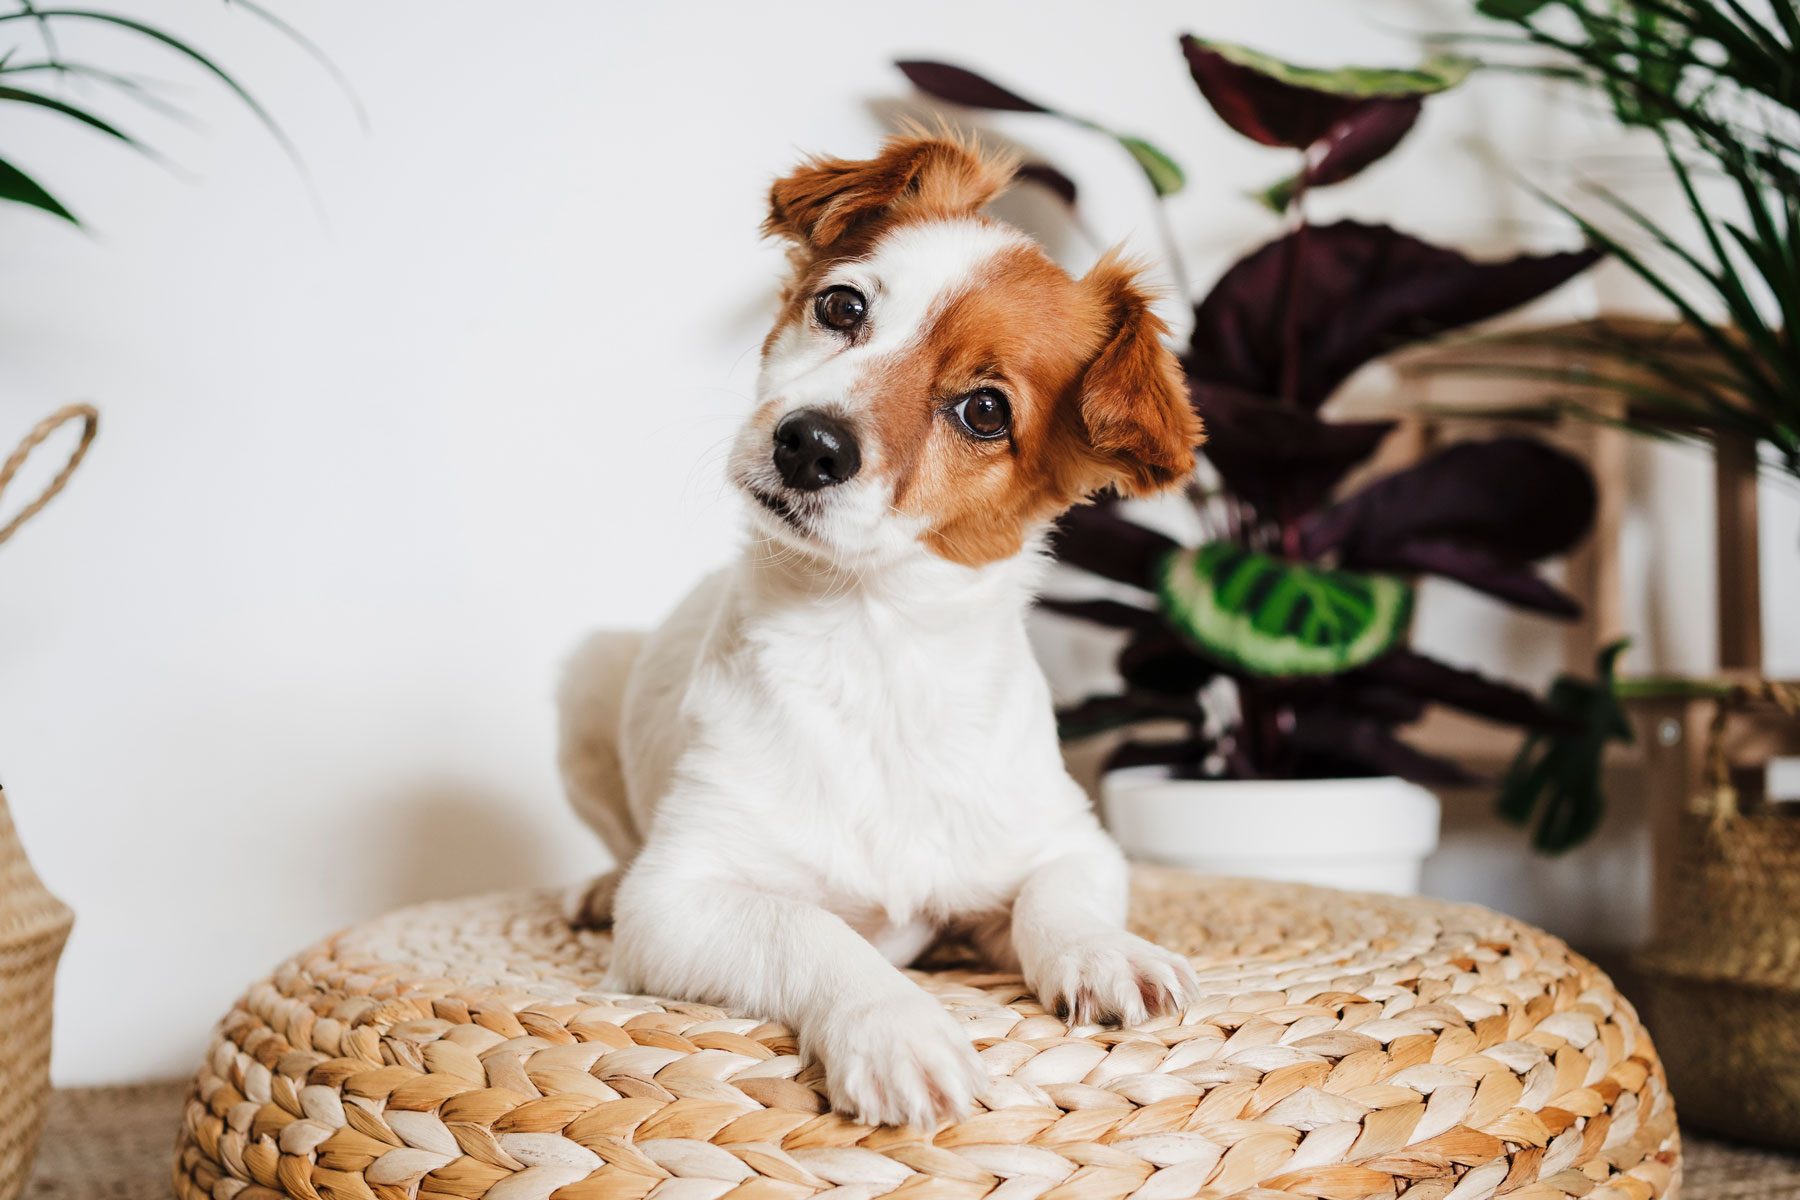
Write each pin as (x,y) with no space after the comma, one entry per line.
(841,748)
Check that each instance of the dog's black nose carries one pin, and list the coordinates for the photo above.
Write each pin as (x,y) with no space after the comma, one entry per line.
(814,451)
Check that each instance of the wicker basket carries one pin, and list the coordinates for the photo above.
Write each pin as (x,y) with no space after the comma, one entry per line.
(33,926)
(33,923)
(1722,978)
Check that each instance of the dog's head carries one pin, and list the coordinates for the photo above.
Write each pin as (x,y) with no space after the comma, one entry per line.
(933,380)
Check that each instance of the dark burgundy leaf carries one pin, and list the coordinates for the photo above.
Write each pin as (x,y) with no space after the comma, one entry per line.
(1359,139)
(1260,107)
(1362,137)
(1280,460)
(1186,753)
(1098,714)
(1111,613)
(1441,683)
(1047,176)
(961,86)
(1106,544)
(1514,497)
(1159,661)
(1375,699)
(1349,692)
(1363,290)
(1472,566)
(1331,743)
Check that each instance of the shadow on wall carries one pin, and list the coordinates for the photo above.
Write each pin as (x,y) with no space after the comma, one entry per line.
(1596,896)
(445,838)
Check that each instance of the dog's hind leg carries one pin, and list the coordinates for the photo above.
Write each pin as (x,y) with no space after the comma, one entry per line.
(591,704)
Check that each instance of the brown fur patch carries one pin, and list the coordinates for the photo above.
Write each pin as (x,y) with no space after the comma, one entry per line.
(1134,403)
(1096,397)
(1028,330)
(920,175)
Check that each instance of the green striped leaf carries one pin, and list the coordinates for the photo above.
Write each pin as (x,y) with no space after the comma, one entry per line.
(1269,616)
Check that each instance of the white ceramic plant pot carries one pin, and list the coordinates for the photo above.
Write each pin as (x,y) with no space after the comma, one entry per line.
(1369,835)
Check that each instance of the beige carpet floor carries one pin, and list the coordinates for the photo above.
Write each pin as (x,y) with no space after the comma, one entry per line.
(114,1144)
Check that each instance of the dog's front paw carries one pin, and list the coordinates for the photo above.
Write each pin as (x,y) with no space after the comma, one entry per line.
(1113,978)
(900,1063)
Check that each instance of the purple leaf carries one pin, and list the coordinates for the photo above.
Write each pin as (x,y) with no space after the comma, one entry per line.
(1160,661)
(1106,544)
(1441,683)
(1111,613)
(1359,139)
(1481,569)
(961,86)
(1280,460)
(1332,742)
(1370,697)
(1098,714)
(1047,176)
(1513,497)
(1185,753)
(1363,290)
(1261,107)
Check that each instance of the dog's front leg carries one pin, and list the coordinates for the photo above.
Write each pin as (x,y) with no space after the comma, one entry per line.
(1068,928)
(892,1054)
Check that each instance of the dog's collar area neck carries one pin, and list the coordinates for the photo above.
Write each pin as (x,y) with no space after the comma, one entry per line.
(917,579)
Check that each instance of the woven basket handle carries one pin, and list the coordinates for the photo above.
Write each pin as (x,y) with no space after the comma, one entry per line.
(1722,802)
(90,425)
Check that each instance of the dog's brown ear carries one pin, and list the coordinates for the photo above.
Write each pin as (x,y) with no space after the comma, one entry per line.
(1139,421)
(935,174)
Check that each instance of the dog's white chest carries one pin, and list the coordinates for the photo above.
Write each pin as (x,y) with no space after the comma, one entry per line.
(895,762)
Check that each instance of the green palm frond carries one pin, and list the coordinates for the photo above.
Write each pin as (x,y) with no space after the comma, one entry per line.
(1718,83)
(27,21)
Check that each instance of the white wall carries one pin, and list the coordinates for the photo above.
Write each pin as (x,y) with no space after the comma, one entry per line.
(281,657)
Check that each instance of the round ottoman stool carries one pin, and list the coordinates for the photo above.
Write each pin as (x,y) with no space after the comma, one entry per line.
(1343,1046)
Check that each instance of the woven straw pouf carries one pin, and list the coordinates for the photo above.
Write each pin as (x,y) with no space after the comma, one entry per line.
(1344,1046)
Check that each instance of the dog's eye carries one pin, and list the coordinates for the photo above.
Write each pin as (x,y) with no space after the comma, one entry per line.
(985,413)
(841,308)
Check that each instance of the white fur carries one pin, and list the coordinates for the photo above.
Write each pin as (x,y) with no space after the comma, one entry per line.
(841,747)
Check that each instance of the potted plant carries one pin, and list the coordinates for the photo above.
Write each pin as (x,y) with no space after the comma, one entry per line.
(1272,657)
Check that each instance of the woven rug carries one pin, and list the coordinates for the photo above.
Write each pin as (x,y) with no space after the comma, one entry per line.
(117,1143)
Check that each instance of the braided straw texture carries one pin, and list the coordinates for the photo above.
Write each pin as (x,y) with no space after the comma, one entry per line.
(1345,1046)
(33,927)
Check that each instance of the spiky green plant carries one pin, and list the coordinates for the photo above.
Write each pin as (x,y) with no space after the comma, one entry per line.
(1718,85)
(36,73)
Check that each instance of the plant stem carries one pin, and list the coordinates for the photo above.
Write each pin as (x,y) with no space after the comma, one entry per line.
(1172,249)
(1287,530)
(1290,298)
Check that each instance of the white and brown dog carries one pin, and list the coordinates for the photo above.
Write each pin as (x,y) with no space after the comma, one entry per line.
(841,747)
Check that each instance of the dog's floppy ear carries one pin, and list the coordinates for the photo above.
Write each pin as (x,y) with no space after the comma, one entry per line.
(936,174)
(1134,399)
